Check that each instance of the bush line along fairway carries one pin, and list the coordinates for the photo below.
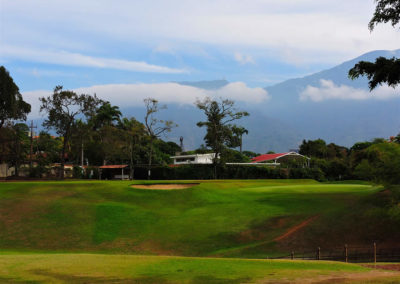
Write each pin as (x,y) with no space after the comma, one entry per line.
(232,218)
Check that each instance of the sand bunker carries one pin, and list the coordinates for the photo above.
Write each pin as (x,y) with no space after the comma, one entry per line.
(164,186)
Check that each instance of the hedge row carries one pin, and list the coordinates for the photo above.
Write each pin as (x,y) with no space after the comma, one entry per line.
(228,172)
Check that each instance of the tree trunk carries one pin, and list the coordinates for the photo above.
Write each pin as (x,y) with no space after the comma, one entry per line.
(215,162)
(61,174)
(150,157)
(18,154)
(82,155)
(131,166)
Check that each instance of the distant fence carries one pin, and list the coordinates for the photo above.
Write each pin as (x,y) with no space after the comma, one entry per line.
(354,254)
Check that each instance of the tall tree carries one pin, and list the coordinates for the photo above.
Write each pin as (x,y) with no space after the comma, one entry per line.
(80,135)
(154,127)
(62,108)
(383,70)
(20,146)
(219,135)
(134,133)
(12,105)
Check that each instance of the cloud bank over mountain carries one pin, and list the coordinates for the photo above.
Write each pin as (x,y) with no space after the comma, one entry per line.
(132,95)
(328,90)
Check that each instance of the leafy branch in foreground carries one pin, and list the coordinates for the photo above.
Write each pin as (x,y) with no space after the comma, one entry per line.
(383,70)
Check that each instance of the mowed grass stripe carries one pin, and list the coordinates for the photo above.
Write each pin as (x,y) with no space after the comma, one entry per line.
(91,268)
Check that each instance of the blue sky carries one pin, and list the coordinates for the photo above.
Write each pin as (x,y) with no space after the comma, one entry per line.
(79,44)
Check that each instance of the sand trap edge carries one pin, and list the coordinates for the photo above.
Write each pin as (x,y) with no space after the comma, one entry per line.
(164,186)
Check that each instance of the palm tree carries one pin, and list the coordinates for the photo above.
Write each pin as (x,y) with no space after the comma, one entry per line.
(238,131)
(106,115)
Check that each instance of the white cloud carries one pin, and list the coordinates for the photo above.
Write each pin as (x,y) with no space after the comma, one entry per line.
(335,28)
(329,91)
(128,95)
(77,59)
(243,58)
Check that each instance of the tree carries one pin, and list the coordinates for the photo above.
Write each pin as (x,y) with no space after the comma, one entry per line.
(12,105)
(381,163)
(219,127)
(47,152)
(383,70)
(154,127)
(79,136)
(19,145)
(134,132)
(102,122)
(238,132)
(314,148)
(62,108)
(106,115)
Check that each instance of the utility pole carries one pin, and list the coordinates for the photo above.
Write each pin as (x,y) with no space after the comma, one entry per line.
(31,151)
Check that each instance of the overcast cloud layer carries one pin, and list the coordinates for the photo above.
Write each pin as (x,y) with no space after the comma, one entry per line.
(130,49)
(121,41)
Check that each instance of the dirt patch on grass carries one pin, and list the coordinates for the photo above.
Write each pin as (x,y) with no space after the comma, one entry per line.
(296,228)
(374,276)
(393,267)
(164,186)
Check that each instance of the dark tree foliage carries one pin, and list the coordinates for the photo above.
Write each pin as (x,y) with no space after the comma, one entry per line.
(383,70)
(62,108)
(12,105)
(134,133)
(314,148)
(106,115)
(237,139)
(386,11)
(19,146)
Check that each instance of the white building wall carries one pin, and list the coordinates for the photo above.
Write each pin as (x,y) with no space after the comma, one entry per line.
(193,159)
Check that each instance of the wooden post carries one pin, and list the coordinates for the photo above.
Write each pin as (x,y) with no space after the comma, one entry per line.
(346,254)
(375,253)
(319,253)
(292,255)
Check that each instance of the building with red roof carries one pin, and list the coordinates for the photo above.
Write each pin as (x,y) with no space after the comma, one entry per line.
(277,159)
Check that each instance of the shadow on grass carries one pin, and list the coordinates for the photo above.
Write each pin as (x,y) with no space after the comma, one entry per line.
(68,278)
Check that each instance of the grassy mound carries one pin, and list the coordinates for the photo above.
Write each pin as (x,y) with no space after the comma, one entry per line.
(252,218)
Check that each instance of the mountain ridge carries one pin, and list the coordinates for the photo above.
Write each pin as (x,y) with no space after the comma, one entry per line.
(282,122)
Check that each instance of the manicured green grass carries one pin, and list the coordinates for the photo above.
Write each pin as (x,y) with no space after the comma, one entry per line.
(239,218)
(90,268)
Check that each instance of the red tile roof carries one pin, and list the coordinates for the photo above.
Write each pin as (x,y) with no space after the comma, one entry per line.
(267,157)
(113,167)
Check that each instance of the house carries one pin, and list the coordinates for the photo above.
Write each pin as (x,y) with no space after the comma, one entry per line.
(277,159)
(193,159)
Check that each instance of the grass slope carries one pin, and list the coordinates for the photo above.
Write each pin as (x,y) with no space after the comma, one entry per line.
(90,268)
(215,218)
